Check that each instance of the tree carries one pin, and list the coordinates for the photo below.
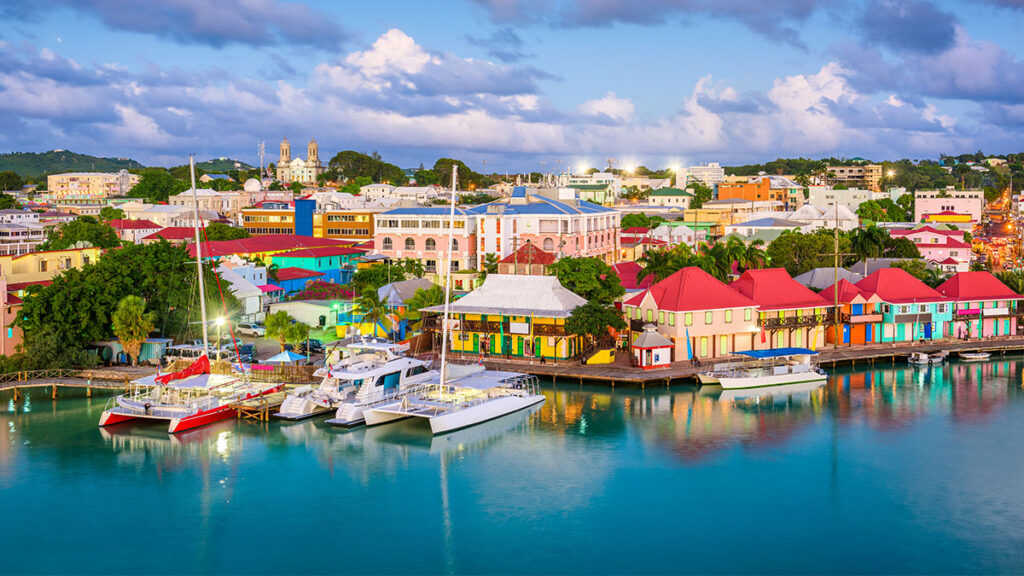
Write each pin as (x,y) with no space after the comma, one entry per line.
(798,252)
(370,279)
(10,181)
(350,165)
(433,296)
(82,229)
(8,201)
(593,319)
(108,213)
(663,263)
(297,334)
(900,248)
(590,278)
(467,177)
(278,325)
(219,231)
(132,325)
(426,177)
(157,185)
(868,243)
(375,310)
(918,269)
(640,220)
(296,187)
(701,194)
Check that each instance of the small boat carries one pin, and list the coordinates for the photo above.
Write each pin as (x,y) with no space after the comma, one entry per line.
(361,362)
(974,356)
(924,358)
(768,368)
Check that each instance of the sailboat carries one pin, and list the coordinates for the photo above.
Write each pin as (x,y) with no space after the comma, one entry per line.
(191,397)
(462,396)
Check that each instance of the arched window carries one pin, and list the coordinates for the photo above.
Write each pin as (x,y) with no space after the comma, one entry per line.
(388,244)
(455,245)
(410,244)
(431,245)
(549,245)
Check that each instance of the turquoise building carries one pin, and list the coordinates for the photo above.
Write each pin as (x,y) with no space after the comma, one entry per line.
(337,263)
(911,311)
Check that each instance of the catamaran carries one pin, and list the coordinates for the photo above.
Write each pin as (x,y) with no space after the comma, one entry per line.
(768,368)
(373,366)
(190,397)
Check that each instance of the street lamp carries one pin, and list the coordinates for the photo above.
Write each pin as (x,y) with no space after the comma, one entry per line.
(220,321)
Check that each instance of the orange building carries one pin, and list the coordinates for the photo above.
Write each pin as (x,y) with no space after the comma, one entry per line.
(764,188)
(343,225)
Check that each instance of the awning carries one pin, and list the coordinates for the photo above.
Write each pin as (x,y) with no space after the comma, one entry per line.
(271,288)
(777,352)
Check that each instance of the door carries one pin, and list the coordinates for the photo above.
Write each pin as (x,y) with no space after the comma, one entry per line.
(703,346)
(519,346)
(390,380)
(928,330)
(476,343)
(536,347)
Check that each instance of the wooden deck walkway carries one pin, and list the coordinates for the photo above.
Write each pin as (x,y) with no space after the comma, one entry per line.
(621,372)
(259,408)
(55,379)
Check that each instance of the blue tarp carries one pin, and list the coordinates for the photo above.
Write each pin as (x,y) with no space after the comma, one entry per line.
(775,353)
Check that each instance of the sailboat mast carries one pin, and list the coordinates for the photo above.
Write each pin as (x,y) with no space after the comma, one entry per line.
(448,278)
(199,256)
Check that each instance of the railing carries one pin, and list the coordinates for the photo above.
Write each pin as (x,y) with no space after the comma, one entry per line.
(26,375)
(861,318)
(797,322)
(548,330)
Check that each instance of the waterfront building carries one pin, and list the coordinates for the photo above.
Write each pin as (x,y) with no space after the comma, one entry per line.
(134,230)
(336,263)
(945,248)
(514,316)
(789,314)
(868,174)
(964,206)
(697,312)
(527,260)
(860,314)
(298,170)
(651,350)
(89,185)
(911,310)
(982,305)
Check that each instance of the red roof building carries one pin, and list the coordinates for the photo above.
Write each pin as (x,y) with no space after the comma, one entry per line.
(322,252)
(860,314)
(133,230)
(528,259)
(977,286)
(285,274)
(897,286)
(790,314)
(628,273)
(173,234)
(775,289)
(260,246)
(983,305)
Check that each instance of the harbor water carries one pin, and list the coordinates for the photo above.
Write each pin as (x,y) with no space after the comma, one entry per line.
(888,469)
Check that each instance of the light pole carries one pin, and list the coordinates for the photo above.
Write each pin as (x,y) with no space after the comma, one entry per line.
(220,321)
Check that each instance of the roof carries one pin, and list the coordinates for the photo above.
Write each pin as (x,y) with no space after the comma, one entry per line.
(898,286)
(16,286)
(766,222)
(292,273)
(777,352)
(847,292)
(778,181)
(692,289)
(397,293)
(320,252)
(949,260)
(650,338)
(529,254)
(425,211)
(774,289)
(670,192)
(517,295)
(971,286)
(267,243)
(538,204)
(636,230)
(173,233)
(628,272)
(124,224)
(270,288)
(822,278)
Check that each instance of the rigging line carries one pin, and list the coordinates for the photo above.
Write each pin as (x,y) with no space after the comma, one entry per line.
(224,304)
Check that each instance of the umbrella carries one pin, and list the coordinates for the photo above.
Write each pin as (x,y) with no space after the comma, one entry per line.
(286,357)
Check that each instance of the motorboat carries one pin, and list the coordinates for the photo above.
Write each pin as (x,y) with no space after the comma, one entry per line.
(185,399)
(460,401)
(768,368)
(377,385)
(924,358)
(974,356)
(360,360)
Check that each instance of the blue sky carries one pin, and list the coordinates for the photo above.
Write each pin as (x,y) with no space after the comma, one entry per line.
(521,84)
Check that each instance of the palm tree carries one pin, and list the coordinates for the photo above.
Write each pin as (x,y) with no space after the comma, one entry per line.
(657,263)
(132,325)
(1012,280)
(297,335)
(278,324)
(932,277)
(432,296)
(375,310)
(867,243)
(754,256)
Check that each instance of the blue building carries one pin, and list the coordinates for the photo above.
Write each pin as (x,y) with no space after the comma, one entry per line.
(293,280)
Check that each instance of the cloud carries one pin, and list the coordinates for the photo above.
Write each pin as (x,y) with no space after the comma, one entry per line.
(610,107)
(907,25)
(248,22)
(503,44)
(777,20)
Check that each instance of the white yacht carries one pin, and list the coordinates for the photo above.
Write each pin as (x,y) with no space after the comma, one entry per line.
(769,368)
(379,385)
(360,361)
(462,400)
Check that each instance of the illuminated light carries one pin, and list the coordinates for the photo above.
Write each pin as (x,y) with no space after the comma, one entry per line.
(220,321)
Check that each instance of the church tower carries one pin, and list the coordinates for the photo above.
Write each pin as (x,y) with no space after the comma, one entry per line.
(313,153)
(286,152)
(284,169)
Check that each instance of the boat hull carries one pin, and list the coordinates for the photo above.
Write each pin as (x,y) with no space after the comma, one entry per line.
(177,425)
(109,418)
(707,378)
(473,415)
(733,383)
(377,418)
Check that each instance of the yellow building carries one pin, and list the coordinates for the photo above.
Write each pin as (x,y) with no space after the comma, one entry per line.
(95,185)
(43,266)
(514,316)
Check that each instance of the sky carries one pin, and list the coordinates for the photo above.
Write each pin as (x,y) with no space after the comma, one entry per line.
(514,85)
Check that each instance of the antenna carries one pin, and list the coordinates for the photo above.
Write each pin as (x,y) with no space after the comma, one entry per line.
(260,149)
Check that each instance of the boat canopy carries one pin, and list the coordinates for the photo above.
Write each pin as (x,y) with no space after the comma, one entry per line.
(777,352)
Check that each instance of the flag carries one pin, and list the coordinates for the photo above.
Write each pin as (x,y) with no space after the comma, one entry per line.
(764,337)
(689,347)
(814,338)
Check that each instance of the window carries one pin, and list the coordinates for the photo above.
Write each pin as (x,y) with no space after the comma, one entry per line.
(455,245)
(746,314)
(941,308)
(661,316)
(455,265)
(85,260)
(688,319)
(671,318)
(431,224)
(549,245)
(431,245)
(410,244)
(723,347)
(728,316)
(430,266)
(707,317)
(42,265)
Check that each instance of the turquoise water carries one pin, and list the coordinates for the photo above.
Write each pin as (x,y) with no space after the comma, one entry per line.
(895,470)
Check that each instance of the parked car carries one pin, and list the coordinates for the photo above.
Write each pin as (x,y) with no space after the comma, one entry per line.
(314,346)
(251,329)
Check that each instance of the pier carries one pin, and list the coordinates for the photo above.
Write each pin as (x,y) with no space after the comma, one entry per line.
(260,407)
(621,372)
(89,379)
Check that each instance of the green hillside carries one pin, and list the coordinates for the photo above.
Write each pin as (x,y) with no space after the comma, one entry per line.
(56,161)
(221,165)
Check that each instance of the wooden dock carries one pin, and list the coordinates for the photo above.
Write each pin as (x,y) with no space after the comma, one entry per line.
(622,373)
(259,408)
(56,379)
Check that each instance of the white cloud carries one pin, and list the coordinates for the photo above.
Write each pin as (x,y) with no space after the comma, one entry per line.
(610,106)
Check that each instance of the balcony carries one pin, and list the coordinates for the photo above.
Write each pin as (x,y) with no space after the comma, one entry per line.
(790,322)
(861,318)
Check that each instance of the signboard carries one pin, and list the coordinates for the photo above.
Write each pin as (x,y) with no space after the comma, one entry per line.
(519,327)
(996,311)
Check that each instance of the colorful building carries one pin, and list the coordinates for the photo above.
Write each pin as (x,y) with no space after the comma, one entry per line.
(420,233)
(771,188)
(860,314)
(701,315)
(516,316)
(789,314)
(293,280)
(910,309)
(262,247)
(336,263)
(939,246)
(528,259)
(982,305)
(90,185)
(134,230)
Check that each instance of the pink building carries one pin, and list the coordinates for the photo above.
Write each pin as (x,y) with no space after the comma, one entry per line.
(983,306)
(790,314)
(420,233)
(943,247)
